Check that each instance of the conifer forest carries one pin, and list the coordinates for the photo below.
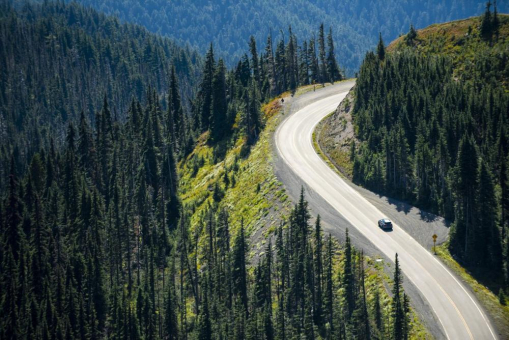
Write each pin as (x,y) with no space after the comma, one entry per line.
(99,117)
(442,143)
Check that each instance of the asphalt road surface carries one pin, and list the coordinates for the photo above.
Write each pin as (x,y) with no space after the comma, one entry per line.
(456,308)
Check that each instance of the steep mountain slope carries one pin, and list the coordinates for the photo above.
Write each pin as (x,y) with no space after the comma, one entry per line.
(427,124)
(228,24)
(57,60)
(474,57)
(104,236)
(95,243)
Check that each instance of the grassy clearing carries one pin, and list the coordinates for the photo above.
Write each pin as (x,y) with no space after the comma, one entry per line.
(489,300)
(253,193)
(452,38)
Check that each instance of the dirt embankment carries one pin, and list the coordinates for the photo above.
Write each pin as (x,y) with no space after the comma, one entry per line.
(335,135)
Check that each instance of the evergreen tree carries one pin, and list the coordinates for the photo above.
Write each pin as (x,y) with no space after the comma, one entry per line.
(239,275)
(380,48)
(271,66)
(487,22)
(332,64)
(506,262)
(204,324)
(313,62)
(171,329)
(467,173)
(255,71)
(86,148)
(9,306)
(205,92)
(104,128)
(71,182)
(150,161)
(251,119)
(398,309)
(321,52)
(13,233)
(318,282)
(304,67)
(411,36)
(406,317)
(218,121)
(496,20)
(329,288)
(360,319)
(378,314)
(281,67)
(292,62)
(348,277)
(175,120)
(487,249)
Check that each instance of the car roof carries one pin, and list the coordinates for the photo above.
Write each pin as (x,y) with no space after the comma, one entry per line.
(386,220)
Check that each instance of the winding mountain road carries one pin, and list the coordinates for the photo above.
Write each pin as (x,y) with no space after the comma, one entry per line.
(455,307)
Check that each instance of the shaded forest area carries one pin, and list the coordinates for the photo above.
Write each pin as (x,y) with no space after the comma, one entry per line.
(438,137)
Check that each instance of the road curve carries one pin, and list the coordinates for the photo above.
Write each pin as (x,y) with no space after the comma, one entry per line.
(456,308)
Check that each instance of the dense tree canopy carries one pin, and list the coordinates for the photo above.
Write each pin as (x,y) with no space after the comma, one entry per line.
(60,61)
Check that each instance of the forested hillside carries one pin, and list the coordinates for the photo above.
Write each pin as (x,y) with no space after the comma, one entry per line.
(95,239)
(431,117)
(58,61)
(229,24)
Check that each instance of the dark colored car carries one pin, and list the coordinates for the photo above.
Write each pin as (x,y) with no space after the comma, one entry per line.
(385,223)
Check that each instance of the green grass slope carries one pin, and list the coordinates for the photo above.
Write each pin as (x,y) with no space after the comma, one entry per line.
(251,194)
(462,42)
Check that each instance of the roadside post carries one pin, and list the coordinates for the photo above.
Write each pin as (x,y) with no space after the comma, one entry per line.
(434,243)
